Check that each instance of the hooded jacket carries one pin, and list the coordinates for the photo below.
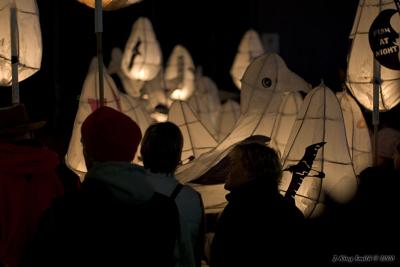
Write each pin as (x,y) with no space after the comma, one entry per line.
(115,220)
(28,184)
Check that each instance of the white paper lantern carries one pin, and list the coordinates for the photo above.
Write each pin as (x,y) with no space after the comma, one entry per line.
(180,73)
(29,40)
(260,119)
(132,87)
(360,74)
(110,4)
(319,120)
(196,138)
(89,101)
(228,116)
(267,73)
(250,47)
(205,102)
(142,55)
(153,92)
(357,133)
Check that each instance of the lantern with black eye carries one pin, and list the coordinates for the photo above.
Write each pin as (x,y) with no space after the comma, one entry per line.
(109,4)
(20,42)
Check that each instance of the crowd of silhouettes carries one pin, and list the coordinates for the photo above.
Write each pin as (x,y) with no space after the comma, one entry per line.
(123,214)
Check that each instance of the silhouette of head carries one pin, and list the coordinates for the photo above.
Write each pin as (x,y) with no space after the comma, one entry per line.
(249,161)
(162,147)
(15,124)
(109,135)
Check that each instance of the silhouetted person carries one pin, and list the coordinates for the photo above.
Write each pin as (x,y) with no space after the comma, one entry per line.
(28,182)
(375,209)
(368,225)
(258,226)
(387,139)
(116,219)
(161,153)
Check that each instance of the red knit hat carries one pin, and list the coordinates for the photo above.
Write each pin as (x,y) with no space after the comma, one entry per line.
(109,135)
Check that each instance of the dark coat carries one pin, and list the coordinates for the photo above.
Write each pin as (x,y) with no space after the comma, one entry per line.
(28,185)
(256,228)
(93,227)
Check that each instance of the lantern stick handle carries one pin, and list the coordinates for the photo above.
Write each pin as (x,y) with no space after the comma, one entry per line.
(14,53)
(375,112)
(99,31)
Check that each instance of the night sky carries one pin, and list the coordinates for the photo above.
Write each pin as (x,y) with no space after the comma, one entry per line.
(313,42)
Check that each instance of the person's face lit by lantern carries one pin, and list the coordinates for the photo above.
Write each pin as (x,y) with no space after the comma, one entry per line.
(237,174)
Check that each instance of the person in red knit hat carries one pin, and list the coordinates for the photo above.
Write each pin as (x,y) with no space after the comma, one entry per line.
(108,135)
(117,219)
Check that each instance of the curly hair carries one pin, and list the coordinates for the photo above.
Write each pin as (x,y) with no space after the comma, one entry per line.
(261,161)
(162,147)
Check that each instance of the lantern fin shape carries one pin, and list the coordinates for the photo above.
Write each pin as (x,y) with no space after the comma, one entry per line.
(360,70)
(357,133)
(320,120)
(228,116)
(286,116)
(205,102)
(180,74)
(110,5)
(29,39)
(134,108)
(250,47)
(142,57)
(89,101)
(196,138)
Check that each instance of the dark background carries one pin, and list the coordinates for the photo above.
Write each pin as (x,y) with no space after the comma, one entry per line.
(313,42)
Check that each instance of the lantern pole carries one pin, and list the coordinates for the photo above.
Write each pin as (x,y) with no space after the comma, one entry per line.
(375,110)
(99,31)
(14,53)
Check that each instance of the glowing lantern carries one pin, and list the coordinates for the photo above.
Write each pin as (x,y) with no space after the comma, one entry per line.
(250,47)
(142,55)
(261,114)
(130,86)
(153,92)
(196,138)
(228,116)
(357,133)
(314,173)
(28,39)
(205,102)
(179,74)
(267,73)
(360,72)
(88,102)
(110,4)
(134,108)
(285,118)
